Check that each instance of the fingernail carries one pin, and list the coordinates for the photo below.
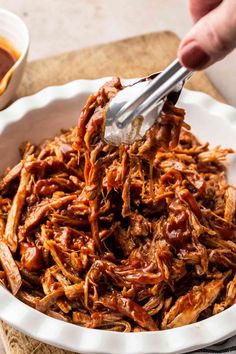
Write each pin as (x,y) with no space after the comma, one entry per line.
(193,56)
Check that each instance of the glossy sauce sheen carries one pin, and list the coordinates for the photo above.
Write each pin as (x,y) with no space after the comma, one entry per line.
(8,56)
(6,62)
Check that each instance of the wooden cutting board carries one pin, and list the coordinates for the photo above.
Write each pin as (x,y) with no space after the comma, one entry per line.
(132,57)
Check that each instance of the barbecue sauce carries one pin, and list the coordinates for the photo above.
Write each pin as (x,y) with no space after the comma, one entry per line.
(8,57)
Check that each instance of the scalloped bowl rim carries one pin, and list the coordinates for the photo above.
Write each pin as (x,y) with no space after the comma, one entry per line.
(75,338)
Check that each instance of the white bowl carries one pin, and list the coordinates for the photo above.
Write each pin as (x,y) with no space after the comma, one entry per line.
(13,29)
(43,115)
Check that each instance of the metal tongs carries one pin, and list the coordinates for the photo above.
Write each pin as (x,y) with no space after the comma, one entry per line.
(135,109)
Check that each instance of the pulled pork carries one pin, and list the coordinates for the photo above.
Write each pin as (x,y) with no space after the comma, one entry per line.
(139,237)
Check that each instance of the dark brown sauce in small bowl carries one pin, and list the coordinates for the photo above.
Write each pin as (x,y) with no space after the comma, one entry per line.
(8,56)
(6,62)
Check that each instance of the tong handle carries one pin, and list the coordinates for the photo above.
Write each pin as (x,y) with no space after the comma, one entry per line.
(158,88)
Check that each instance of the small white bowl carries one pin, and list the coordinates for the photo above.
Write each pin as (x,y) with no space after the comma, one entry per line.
(14,30)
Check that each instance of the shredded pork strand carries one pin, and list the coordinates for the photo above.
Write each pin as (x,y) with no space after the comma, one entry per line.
(134,238)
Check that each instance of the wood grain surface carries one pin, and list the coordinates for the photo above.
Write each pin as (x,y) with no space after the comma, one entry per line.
(132,57)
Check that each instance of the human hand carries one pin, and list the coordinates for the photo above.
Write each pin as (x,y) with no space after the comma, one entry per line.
(213,35)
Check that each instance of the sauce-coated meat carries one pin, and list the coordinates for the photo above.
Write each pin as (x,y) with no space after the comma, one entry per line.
(134,238)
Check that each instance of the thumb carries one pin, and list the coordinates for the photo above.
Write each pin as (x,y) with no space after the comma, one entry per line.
(211,38)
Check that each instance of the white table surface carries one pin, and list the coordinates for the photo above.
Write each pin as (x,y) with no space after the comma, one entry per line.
(57,26)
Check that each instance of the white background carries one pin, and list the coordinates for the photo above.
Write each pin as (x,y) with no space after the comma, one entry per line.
(57,26)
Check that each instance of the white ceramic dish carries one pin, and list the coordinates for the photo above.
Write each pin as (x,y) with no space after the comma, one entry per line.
(44,114)
(13,29)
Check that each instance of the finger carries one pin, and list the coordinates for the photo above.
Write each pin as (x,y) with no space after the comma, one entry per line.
(211,38)
(199,8)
